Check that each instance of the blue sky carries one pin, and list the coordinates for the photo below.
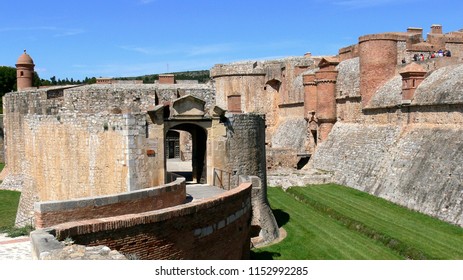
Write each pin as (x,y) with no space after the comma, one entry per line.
(78,39)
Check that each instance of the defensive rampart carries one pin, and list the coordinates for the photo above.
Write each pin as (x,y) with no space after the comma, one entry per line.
(214,228)
(407,153)
(417,166)
(80,155)
(273,88)
(130,98)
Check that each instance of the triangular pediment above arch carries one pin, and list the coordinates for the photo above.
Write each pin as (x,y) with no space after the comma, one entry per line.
(188,106)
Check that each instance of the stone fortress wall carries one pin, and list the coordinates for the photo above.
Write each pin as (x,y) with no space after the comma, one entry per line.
(403,140)
(406,151)
(88,140)
(372,117)
(273,88)
(70,143)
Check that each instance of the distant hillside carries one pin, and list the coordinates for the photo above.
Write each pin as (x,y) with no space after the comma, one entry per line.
(202,76)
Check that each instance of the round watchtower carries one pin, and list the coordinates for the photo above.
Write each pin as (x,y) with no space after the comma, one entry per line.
(24,71)
(378,62)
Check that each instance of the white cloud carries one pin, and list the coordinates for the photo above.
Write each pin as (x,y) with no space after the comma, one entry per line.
(209,49)
(180,50)
(36,28)
(150,50)
(145,2)
(58,32)
(138,69)
(68,32)
(358,4)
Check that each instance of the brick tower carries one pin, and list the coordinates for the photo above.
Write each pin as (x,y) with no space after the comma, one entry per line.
(325,79)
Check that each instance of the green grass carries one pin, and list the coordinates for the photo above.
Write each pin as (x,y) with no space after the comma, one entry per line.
(312,235)
(9,201)
(8,206)
(335,222)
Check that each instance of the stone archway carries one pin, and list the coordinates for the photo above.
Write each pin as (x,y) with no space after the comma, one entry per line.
(198,147)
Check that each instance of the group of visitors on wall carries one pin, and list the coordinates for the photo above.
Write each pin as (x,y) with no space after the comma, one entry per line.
(434,54)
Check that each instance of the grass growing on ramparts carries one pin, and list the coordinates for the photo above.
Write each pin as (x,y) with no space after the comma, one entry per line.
(335,222)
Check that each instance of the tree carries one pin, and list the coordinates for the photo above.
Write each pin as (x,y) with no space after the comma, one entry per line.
(53,80)
(36,82)
(7,82)
(7,79)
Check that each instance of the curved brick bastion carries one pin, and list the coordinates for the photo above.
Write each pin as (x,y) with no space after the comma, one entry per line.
(57,212)
(213,228)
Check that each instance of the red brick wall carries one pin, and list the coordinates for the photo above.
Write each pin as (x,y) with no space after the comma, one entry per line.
(348,52)
(215,228)
(166,79)
(52,213)
(310,95)
(234,103)
(378,61)
(326,93)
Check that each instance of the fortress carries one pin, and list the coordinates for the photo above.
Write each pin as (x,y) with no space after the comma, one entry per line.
(87,159)
(370,117)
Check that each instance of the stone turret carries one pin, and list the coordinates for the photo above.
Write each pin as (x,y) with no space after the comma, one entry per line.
(24,71)
(326,95)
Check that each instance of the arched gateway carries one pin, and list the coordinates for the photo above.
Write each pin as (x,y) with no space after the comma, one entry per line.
(186,143)
(224,150)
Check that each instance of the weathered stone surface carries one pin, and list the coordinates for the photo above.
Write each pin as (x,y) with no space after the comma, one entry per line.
(262,215)
(402,164)
(79,252)
(348,81)
(286,178)
(407,152)
(442,86)
(100,98)
(389,95)
(271,87)
(296,128)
